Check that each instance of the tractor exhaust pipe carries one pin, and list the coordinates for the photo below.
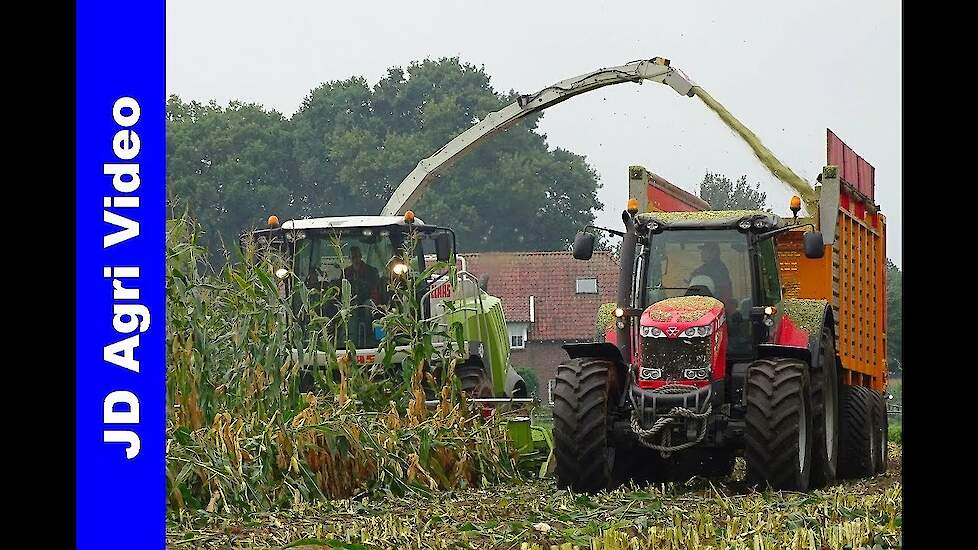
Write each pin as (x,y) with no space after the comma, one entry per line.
(624,298)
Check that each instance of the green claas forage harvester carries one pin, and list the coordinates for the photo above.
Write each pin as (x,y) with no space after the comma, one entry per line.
(736,333)
(367,253)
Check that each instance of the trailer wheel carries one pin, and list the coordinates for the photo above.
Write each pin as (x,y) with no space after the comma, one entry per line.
(582,395)
(779,434)
(825,389)
(857,452)
(882,433)
(475,381)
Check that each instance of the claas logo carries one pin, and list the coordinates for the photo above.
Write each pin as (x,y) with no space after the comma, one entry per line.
(444,291)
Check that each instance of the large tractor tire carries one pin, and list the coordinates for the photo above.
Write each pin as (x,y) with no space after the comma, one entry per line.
(475,381)
(882,431)
(825,399)
(857,437)
(779,435)
(582,394)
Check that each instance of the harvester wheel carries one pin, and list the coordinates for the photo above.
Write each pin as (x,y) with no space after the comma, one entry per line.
(585,460)
(825,388)
(475,381)
(779,432)
(882,433)
(857,448)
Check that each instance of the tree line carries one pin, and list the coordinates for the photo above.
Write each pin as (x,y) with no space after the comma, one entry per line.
(349,145)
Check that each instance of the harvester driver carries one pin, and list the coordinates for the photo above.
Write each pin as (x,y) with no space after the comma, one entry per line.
(363,278)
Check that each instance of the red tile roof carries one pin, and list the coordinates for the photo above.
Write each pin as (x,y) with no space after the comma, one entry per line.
(551,278)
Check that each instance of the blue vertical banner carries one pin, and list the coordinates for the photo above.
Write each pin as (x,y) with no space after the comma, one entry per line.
(120,232)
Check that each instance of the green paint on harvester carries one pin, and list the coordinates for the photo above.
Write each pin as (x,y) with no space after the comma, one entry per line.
(763,154)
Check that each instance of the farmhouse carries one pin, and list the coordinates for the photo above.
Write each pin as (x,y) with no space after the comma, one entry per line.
(549,299)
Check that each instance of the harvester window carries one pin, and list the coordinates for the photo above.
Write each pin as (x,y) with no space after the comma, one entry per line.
(324,259)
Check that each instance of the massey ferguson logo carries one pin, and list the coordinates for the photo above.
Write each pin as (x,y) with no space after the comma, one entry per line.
(671,331)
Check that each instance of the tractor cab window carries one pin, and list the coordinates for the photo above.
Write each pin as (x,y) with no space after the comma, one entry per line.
(705,262)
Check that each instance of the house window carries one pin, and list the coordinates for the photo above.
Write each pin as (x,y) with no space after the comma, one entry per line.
(517,335)
(587,286)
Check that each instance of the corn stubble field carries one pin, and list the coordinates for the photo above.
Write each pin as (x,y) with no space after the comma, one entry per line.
(254,463)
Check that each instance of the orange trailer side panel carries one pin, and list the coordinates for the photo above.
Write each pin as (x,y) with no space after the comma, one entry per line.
(852,277)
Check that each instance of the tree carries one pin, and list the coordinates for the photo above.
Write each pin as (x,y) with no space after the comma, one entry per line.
(894,316)
(350,144)
(354,144)
(724,194)
(230,167)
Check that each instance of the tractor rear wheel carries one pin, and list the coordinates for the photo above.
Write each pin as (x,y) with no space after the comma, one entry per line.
(779,434)
(582,396)
(475,381)
(857,452)
(882,433)
(825,389)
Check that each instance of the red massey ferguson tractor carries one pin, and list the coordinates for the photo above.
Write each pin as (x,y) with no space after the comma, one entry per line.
(701,363)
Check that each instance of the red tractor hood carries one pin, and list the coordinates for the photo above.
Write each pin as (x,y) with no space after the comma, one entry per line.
(674,315)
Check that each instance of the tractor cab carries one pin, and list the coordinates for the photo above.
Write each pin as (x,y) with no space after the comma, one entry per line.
(697,293)
(708,255)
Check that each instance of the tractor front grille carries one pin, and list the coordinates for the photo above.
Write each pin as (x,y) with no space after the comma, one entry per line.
(672,355)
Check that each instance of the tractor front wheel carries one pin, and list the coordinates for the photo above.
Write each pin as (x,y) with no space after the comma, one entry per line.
(582,396)
(779,435)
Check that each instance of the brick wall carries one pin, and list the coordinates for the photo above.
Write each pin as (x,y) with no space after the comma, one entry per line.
(543,358)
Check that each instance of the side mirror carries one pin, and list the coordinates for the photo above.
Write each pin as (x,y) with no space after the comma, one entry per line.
(814,246)
(443,247)
(484,282)
(583,246)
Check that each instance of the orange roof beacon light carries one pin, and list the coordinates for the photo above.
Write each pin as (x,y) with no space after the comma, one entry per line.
(633,206)
(795,205)
(273,221)
(409,216)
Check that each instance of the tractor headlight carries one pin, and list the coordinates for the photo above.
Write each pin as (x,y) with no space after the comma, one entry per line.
(646,373)
(744,224)
(696,374)
(691,332)
(652,332)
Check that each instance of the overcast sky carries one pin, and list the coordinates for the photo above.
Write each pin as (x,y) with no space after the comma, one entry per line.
(787,70)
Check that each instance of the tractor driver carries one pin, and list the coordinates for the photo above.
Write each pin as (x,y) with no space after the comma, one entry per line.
(363,278)
(714,268)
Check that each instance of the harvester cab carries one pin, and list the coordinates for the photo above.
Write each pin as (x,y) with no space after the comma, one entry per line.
(357,262)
